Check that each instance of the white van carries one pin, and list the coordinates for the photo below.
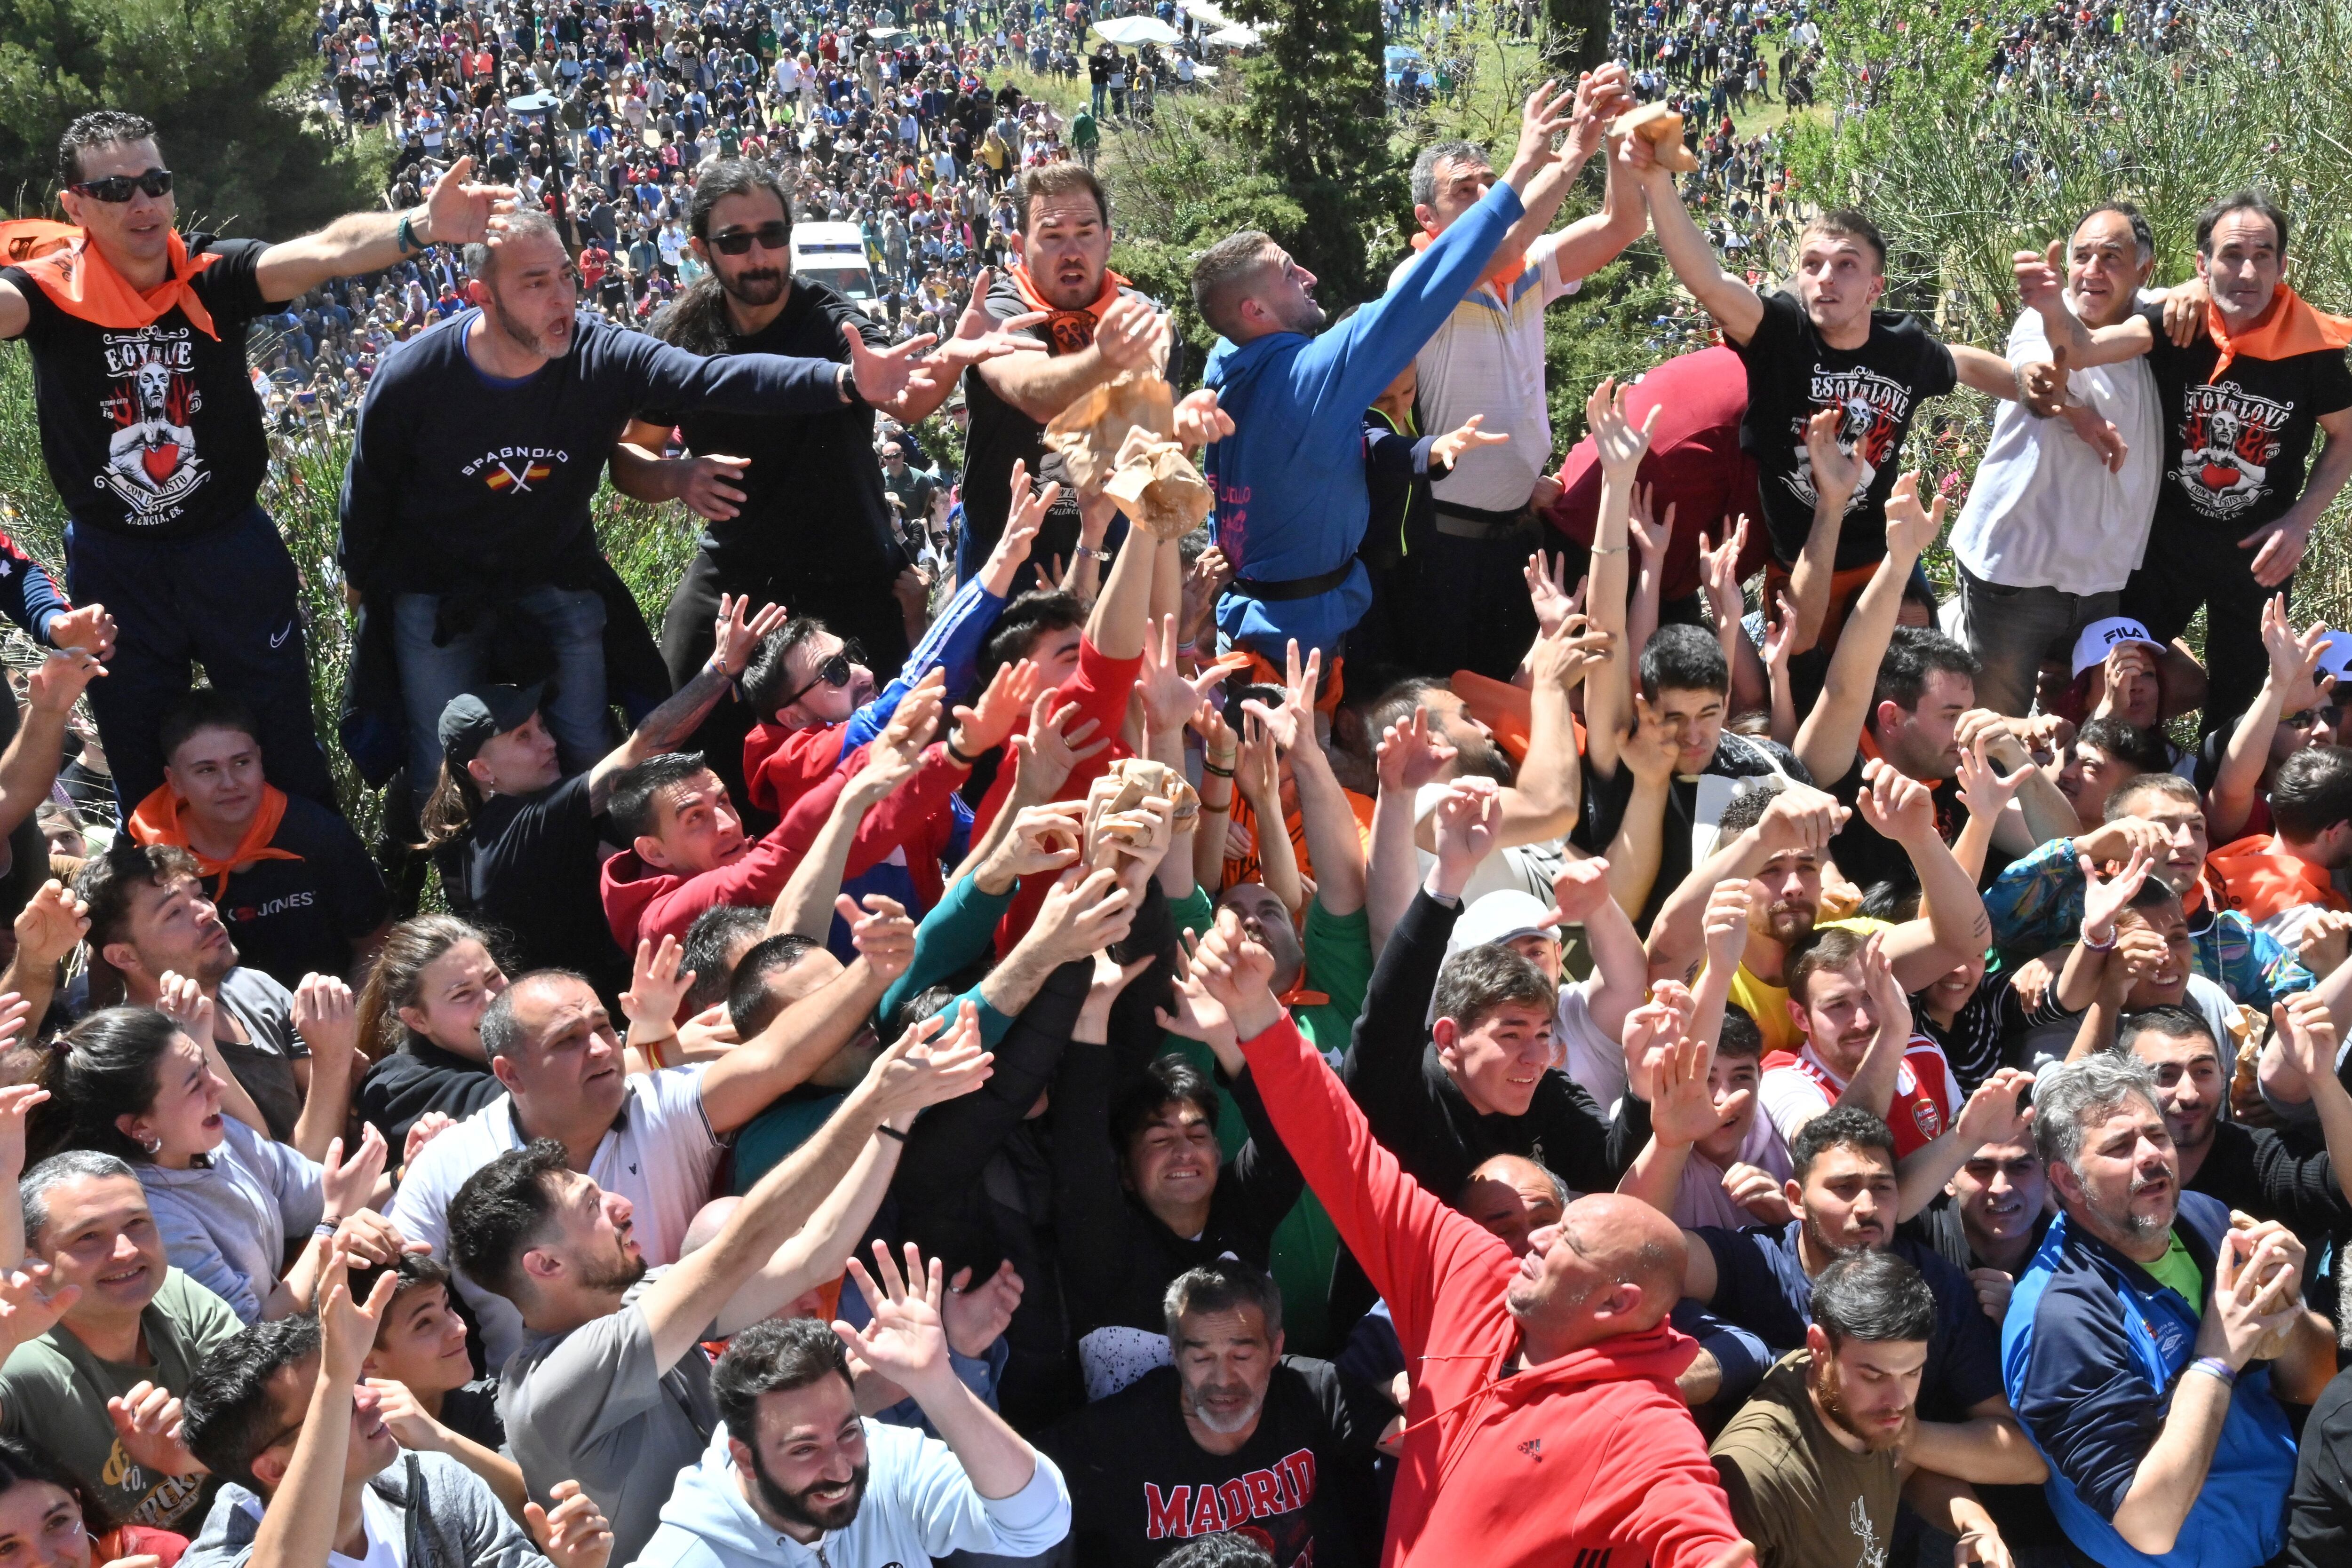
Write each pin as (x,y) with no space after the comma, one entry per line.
(835,254)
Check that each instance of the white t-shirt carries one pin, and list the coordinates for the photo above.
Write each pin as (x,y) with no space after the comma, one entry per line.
(660,1154)
(1488,359)
(387,1534)
(1527,867)
(2044,511)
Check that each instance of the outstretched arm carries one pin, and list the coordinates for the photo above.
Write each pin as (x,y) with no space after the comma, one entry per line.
(1831,733)
(456,212)
(1737,307)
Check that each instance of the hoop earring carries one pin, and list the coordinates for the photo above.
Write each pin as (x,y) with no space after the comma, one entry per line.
(152,1146)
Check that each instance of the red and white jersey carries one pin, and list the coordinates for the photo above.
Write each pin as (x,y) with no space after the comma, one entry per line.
(1796,1087)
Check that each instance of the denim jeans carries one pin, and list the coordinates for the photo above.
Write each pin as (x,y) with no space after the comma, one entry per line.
(574,706)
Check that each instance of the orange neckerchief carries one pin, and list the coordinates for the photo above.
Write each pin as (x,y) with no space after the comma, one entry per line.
(1868,745)
(157,822)
(82,283)
(1502,278)
(2288,328)
(1071,330)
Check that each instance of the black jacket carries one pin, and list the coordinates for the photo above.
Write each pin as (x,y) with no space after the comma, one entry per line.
(420,1078)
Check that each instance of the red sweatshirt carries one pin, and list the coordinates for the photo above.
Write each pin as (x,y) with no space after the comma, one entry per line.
(640,902)
(1590,1458)
(782,765)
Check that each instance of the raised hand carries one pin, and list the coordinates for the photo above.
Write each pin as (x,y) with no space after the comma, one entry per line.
(1564,657)
(1649,750)
(1447,449)
(1993,1114)
(1051,750)
(576,1535)
(30,1306)
(1799,818)
(1836,471)
(458,212)
(738,633)
(1682,1111)
(2306,1032)
(1721,564)
(658,986)
(937,1059)
(1546,114)
(2103,900)
(1204,581)
(881,931)
(1199,421)
(1724,924)
(1984,789)
(708,486)
(349,1184)
(16,1100)
(1238,975)
(2041,276)
(1650,535)
(89,628)
(979,335)
(184,1001)
(2324,941)
(1467,817)
(1894,804)
(326,1017)
(1759,1192)
(984,725)
(1194,1014)
(59,678)
(1650,1033)
(1780,636)
(1410,756)
(906,1340)
(1022,518)
(1125,337)
(1547,578)
(1621,446)
(1911,527)
(421,1132)
(1890,1005)
(881,374)
(1294,719)
(1578,890)
(976,1316)
(1169,696)
(1043,839)
(1083,912)
(147,1424)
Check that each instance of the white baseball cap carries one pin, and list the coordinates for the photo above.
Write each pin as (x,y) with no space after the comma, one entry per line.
(1500,916)
(2335,655)
(2100,637)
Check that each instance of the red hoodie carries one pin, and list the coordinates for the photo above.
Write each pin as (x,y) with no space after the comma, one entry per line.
(1591,1459)
(782,765)
(640,902)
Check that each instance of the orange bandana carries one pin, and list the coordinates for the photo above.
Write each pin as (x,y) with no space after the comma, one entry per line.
(82,283)
(1502,278)
(157,822)
(1070,330)
(2288,328)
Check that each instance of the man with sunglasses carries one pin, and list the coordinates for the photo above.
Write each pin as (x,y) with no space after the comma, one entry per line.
(797,514)
(153,433)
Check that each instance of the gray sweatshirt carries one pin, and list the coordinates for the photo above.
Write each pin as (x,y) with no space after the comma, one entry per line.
(225,1224)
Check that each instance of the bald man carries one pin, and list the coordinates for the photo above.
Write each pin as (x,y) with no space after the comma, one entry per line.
(1531,1358)
(1512,1197)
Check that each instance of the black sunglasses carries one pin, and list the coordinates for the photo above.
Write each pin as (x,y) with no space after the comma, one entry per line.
(770,236)
(834,672)
(117,187)
(2303,718)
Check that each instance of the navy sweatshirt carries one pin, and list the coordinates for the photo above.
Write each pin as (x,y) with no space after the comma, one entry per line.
(457,477)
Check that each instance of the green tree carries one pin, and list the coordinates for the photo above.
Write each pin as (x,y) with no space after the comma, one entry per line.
(1316,121)
(221,80)
(1580,34)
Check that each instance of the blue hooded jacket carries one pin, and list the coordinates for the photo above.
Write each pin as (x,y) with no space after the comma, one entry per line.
(2092,1351)
(1291,501)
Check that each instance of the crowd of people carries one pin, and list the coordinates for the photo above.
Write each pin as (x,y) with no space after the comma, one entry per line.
(1483,1005)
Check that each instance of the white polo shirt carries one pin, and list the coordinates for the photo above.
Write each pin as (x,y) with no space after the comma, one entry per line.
(2043,511)
(661,1155)
(1488,359)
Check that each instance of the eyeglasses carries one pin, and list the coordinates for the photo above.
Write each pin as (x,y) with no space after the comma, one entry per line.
(117,188)
(2304,719)
(770,236)
(835,672)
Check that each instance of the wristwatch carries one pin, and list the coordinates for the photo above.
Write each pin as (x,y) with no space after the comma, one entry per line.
(841,388)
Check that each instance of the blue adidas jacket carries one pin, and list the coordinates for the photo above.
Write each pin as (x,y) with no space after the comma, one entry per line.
(1291,500)
(2092,1349)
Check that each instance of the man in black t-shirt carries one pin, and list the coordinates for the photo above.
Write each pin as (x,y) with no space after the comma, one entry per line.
(800,517)
(2241,492)
(1233,1436)
(153,433)
(518,843)
(1824,346)
(1092,326)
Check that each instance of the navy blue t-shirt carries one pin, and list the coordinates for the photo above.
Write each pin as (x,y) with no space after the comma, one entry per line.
(1761,1285)
(292,918)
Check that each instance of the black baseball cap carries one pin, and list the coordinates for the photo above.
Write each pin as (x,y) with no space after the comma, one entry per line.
(473,719)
